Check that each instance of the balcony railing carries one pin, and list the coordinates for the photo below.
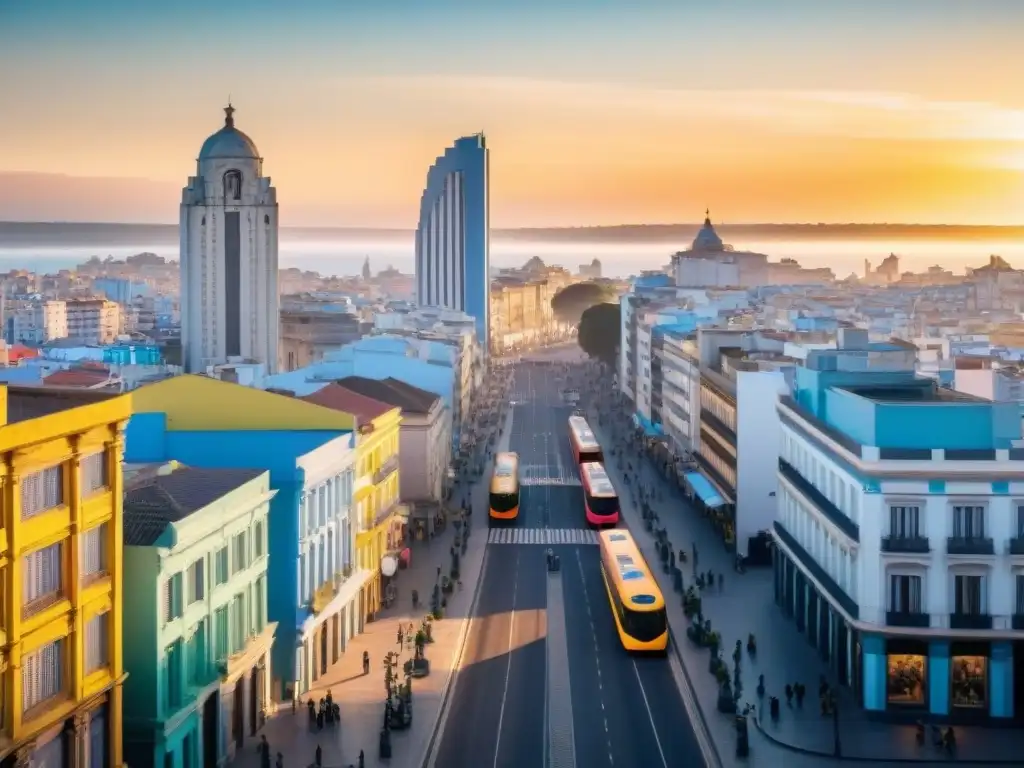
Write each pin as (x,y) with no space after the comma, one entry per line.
(907,619)
(973,545)
(389,466)
(970,621)
(906,544)
(1017,545)
(834,514)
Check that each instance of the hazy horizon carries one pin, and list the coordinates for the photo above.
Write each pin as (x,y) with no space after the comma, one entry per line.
(649,112)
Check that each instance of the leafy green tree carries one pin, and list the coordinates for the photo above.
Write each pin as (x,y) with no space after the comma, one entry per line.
(600,332)
(570,302)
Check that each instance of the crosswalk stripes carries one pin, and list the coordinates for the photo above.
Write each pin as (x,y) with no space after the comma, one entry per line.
(542,536)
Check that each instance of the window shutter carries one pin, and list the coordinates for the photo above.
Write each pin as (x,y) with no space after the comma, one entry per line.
(165,608)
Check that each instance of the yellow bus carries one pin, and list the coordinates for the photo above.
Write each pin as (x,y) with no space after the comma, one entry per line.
(504,500)
(637,604)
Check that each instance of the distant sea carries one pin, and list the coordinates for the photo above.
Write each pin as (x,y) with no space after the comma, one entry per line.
(330,254)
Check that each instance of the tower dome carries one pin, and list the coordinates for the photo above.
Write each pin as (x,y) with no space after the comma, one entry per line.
(707,239)
(229,142)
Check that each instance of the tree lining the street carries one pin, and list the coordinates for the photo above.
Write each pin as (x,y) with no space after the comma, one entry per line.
(571,302)
(600,332)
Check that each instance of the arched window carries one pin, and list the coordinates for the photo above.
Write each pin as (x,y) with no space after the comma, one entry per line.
(233,185)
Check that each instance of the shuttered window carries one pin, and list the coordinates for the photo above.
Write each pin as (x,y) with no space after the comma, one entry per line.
(97,642)
(260,608)
(196,653)
(196,581)
(172,598)
(41,491)
(94,472)
(42,583)
(238,624)
(42,674)
(172,689)
(238,553)
(257,540)
(93,551)
(221,565)
(220,628)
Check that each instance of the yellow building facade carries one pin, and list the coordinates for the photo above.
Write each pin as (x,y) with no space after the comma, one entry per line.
(376,500)
(61,576)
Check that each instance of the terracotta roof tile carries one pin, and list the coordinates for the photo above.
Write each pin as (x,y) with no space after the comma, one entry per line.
(339,398)
(77,377)
(392,391)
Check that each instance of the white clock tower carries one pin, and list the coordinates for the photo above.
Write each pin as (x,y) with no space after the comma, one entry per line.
(229,281)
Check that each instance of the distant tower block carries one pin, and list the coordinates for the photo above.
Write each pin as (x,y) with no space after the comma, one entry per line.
(229,267)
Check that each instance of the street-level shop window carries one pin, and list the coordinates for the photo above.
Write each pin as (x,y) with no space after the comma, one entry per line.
(906,676)
(969,681)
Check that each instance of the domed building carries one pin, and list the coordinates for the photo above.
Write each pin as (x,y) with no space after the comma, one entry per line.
(711,263)
(229,259)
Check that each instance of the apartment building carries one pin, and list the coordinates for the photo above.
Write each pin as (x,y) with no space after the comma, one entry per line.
(899,538)
(38,322)
(94,321)
(195,549)
(311,328)
(60,576)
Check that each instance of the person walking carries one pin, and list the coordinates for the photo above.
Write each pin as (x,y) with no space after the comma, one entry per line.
(263,748)
(366,662)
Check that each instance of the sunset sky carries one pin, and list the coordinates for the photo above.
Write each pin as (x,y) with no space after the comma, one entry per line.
(596,111)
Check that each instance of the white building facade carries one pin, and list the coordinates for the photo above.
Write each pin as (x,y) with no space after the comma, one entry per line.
(900,535)
(93,321)
(39,322)
(229,256)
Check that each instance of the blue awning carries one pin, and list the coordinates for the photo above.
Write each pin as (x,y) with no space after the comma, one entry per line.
(704,490)
(650,428)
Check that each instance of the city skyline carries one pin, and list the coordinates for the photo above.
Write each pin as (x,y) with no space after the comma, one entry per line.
(641,117)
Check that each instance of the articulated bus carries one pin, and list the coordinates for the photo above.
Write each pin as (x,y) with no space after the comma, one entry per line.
(504,502)
(584,444)
(637,604)
(600,502)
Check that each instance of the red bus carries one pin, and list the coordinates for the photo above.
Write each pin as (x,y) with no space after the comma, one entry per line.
(600,501)
(584,444)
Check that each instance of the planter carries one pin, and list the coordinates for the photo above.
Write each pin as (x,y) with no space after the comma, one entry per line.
(384,745)
(726,702)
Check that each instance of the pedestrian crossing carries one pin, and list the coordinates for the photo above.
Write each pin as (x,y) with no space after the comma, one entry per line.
(542,536)
(542,474)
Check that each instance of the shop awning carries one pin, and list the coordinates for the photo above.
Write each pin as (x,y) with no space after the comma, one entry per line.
(704,489)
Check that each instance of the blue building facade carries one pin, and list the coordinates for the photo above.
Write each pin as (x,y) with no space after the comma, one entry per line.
(899,536)
(120,289)
(453,233)
(313,590)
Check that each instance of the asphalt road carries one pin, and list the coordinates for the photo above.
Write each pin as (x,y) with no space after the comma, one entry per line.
(625,710)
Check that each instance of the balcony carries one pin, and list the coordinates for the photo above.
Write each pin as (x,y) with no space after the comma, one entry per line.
(833,513)
(906,544)
(907,619)
(1017,545)
(385,470)
(970,621)
(970,545)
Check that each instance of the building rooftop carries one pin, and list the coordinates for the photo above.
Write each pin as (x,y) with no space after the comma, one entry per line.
(393,392)
(170,494)
(33,402)
(339,398)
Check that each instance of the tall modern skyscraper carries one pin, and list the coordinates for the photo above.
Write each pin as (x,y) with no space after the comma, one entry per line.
(453,236)
(229,280)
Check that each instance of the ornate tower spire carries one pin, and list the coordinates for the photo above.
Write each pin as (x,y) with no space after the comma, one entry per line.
(229,116)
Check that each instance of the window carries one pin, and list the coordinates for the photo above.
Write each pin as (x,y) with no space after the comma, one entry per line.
(968,595)
(238,624)
(196,581)
(259,609)
(221,565)
(968,522)
(197,655)
(238,553)
(172,689)
(220,628)
(1019,579)
(94,472)
(257,539)
(904,593)
(904,522)
(93,552)
(97,643)
(42,674)
(43,582)
(172,598)
(41,491)
(1019,529)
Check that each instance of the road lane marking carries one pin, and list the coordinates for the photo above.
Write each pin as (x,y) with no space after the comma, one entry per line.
(560,726)
(650,715)
(508,668)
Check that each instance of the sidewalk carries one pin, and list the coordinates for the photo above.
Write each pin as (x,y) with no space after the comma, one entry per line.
(746,604)
(361,697)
